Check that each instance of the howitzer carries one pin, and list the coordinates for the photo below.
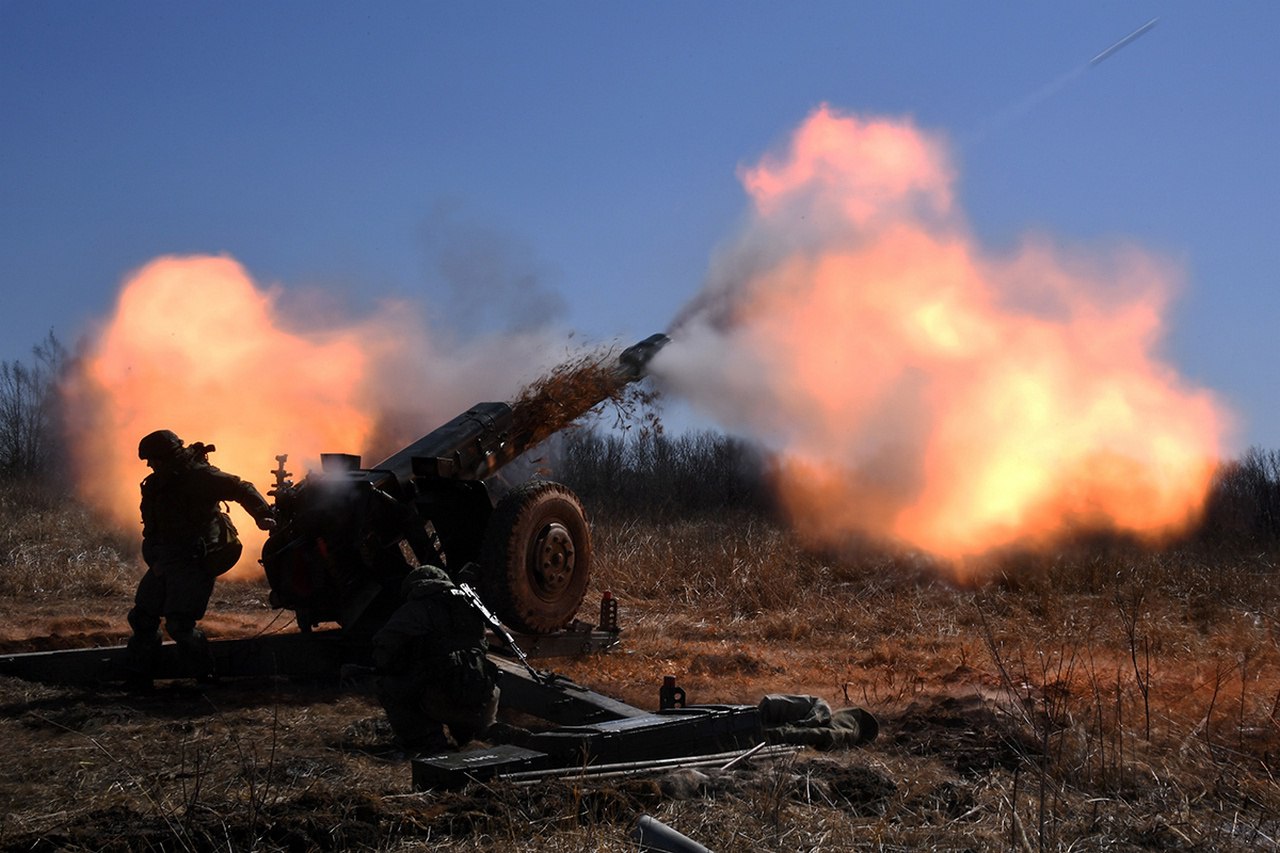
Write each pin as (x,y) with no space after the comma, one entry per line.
(346,536)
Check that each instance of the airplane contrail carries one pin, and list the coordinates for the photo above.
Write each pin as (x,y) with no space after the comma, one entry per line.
(1124,41)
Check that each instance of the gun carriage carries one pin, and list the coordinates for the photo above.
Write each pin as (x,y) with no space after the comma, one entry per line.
(348,535)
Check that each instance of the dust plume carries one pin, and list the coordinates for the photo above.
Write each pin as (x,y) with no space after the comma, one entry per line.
(922,388)
(196,346)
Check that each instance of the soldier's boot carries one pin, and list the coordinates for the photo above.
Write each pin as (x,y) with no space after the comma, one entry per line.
(142,652)
(425,741)
(416,733)
(193,649)
(466,720)
(462,733)
(502,732)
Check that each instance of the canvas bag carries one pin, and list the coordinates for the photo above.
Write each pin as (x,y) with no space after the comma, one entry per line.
(224,550)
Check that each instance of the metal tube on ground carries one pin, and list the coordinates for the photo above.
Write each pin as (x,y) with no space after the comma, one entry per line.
(744,756)
(644,766)
(652,834)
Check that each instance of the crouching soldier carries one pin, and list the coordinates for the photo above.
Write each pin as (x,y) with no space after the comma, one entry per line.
(186,542)
(431,665)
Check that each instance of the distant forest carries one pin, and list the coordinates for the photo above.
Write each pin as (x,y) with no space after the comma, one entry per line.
(639,474)
(30,432)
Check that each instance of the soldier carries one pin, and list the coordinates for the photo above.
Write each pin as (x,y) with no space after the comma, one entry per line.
(186,542)
(809,721)
(431,664)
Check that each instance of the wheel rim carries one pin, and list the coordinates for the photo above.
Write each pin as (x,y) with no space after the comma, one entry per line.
(553,561)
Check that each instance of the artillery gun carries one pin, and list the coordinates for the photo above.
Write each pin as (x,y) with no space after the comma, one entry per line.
(347,536)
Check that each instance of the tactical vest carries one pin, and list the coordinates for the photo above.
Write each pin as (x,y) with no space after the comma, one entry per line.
(175,508)
(455,625)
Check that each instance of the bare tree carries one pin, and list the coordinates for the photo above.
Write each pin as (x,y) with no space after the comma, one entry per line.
(28,411)
(652,474)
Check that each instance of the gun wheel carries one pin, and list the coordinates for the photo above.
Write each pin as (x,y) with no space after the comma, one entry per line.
(536,558)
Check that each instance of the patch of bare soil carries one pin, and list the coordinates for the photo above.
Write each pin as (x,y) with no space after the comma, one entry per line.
(969,734)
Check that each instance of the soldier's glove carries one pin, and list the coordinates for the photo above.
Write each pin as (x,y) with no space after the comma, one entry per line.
(469,574)
(266,522)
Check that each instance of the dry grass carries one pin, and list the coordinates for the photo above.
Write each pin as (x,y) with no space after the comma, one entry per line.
(49,544)
(1100,698)
(1104,696)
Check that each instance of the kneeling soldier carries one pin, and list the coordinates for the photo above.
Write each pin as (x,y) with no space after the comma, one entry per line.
(432,668)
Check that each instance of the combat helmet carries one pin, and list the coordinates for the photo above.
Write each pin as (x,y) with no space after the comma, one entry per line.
(158,445)
(424,578)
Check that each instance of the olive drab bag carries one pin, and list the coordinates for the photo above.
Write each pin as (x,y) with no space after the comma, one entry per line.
(223,551)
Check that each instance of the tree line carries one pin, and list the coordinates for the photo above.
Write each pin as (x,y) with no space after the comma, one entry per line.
(1243,507)
(648,474)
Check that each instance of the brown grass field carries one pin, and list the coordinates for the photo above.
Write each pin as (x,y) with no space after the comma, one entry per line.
(1099,698)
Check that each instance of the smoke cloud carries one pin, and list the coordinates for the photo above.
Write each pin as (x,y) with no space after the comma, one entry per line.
(196,346)
(913,385)
(922,389)
(490,280)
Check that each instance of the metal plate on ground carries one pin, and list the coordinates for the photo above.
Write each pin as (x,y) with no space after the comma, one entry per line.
(697,730)
(455,769)
(578,638)
(667,734)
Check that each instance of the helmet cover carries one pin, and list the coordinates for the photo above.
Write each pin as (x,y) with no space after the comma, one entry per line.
(160,444)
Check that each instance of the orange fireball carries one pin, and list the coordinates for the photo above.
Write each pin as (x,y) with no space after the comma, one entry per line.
(920,388)
(195,347)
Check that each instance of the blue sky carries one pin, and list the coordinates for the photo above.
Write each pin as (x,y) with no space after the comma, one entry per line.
(592,148)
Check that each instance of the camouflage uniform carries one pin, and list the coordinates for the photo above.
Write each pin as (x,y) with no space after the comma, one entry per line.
(809,721)
(180,505)
(432,669)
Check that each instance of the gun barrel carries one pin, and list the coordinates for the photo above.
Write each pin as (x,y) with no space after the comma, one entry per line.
(482,439)
(634,361)
(329,555)
(470,447)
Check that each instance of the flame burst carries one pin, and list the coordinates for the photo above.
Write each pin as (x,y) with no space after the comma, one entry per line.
(195,346)
(921,389)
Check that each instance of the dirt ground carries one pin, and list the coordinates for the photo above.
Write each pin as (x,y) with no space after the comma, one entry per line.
(1009,721)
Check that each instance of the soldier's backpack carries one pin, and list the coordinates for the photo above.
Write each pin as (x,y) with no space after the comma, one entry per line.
(224,550)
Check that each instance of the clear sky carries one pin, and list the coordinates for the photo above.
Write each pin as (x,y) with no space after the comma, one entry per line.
(593,148)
